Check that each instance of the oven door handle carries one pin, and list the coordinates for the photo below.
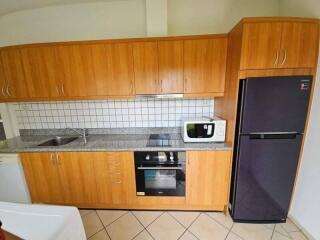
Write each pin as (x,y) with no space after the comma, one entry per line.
(160,168)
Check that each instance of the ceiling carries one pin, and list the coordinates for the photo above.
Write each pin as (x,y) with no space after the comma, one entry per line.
(9,6)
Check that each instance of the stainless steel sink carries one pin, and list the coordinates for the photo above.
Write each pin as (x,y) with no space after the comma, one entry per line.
(57,141)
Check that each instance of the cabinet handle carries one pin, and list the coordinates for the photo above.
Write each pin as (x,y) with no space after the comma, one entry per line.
(62,89)
(284,58)
(51,158)
(277,58)
(58,159)
(3,93)
(117,182)
(8,91)
(160,85)
(57,89)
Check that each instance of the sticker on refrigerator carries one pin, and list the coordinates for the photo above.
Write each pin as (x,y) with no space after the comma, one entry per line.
(305,85)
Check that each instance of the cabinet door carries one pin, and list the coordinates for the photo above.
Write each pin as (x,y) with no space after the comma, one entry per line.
(13,73)
(299,45)
(205,65)
(170,66)
(42,176)
(78,177)
(41,73)
(2,83)
(115,178)
(261,45)
(208,176)
(145,58)
(76,70)
(113,69)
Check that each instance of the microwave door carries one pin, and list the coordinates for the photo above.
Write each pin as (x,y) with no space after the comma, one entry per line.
(200,130)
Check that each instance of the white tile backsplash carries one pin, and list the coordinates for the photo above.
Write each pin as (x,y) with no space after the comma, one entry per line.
(110,113)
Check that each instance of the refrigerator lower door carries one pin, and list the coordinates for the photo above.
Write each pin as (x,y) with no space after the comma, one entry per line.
(265,170)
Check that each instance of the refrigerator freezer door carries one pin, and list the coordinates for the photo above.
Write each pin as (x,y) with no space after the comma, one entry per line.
(275,104)
(265,173)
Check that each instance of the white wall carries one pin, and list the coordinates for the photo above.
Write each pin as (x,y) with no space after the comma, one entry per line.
(305,208)
(214,16)
(131,18)
(97,20)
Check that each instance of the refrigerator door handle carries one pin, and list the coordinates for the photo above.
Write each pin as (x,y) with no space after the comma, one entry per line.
(273,135)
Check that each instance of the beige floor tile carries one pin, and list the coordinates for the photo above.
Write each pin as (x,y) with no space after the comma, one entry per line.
(225,220)
(102,235)
(280,229)
(298,236)
(92,224)
(166,227)
(143,236)
(206,228)
(232,236)
(108,216)
(185,218)
(278,236)
(84,212)
(289,226)
(125,228)
(188,236)
(147,217)
(252,231)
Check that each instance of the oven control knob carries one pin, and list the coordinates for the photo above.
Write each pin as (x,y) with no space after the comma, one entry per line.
(148,157)
(171,157)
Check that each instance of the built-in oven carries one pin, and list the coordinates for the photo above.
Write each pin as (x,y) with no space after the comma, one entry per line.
(160,173)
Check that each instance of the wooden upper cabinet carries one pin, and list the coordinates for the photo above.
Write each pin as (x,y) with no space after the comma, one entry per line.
(267,45)
(41,72)
(171,66)
(76,70)
(205,66)
(260,45)
(13,72)
(145,58)
(2,82)
(299,45)
(208,176)
(113,69)
(42,176)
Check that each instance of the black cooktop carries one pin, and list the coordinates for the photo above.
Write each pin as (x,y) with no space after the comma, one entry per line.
(159,140)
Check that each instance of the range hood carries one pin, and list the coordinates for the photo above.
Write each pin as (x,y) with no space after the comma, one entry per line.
(159,96)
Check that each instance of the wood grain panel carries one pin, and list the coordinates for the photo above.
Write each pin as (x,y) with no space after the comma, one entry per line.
(205,65)
(261,45)
(14,74)
(145,57)
(208,177)
(77,174)
(113,69)
(299,45)
(170,66)
(41,72)
(115,179)
(2,83)
(76,70)
(42,178)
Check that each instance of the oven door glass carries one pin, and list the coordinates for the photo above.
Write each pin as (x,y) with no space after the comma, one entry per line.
(160,179)
(152,181)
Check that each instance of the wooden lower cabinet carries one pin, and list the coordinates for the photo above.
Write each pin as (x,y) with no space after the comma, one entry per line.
(208,179)
(107,180)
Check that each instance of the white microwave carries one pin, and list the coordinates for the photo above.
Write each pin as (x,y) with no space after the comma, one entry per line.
(204,130)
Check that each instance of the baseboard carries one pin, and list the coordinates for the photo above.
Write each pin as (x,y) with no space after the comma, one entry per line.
(305,232)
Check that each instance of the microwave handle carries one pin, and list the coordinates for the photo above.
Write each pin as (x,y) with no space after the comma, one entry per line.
(160,168)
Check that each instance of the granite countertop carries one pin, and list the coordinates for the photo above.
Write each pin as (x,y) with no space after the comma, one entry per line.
(103,142)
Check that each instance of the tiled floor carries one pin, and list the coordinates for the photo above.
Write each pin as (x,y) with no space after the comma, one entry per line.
(170,225)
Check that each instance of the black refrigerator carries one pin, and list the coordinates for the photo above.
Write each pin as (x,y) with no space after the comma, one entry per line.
(271,117)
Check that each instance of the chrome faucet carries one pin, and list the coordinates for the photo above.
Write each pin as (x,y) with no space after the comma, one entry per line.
(82,132)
